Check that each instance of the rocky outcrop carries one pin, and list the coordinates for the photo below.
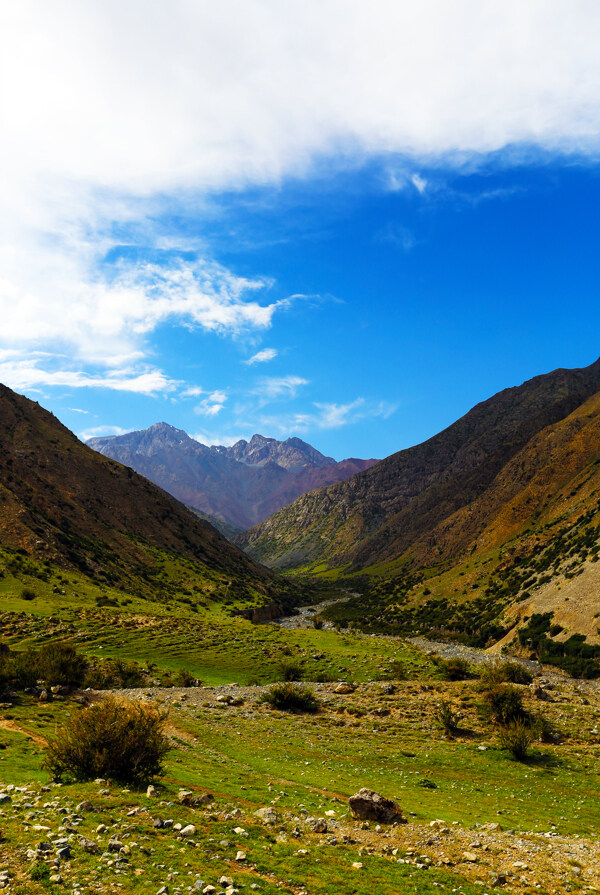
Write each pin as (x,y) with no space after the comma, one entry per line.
(369,805)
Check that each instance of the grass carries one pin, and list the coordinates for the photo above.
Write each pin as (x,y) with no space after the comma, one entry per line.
(250,756)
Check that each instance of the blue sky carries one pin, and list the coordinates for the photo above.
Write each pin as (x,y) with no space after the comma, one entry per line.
(317,221)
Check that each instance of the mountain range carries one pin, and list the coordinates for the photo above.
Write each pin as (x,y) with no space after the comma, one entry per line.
(63,504)
(513,485)
(239,485)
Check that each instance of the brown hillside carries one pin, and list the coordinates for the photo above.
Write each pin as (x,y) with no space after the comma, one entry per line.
(436,498)
(63,502)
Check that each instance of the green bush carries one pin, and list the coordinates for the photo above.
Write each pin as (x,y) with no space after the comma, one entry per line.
(446,718)
(288,670)
(505,673)
(28,594)
(504,704)
(290,697)
(60,663)
(517,737)
(398,670)
(113,674)
(455,669)
(117,739)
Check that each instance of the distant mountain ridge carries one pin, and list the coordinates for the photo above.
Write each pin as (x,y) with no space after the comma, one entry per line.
(241,484)
(421,502)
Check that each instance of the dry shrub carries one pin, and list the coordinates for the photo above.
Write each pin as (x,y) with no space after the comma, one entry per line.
(290,697)
(116,738)
(517,737)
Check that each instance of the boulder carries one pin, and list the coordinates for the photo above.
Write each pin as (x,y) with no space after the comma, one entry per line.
(268,815)
(344,687)
(369,805)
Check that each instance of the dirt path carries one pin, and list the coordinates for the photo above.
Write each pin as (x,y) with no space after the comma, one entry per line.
(5,724)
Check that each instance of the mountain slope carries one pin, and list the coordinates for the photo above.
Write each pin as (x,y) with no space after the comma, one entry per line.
(63,503)
(421,502)
(242,484)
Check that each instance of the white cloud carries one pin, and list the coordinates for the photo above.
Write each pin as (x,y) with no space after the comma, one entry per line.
(419,183)
(273,387)
(99,431)
(261,357)
(212,404)
(210,438)
(78,410)
(24,375)
(112,108)
(328,416)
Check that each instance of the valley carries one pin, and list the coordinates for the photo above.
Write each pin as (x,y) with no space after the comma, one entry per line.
(404,656)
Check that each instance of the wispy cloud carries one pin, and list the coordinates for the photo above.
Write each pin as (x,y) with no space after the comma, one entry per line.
(328,416)
(270,388)
(100,431)
(212,404)
(24,375)
(262,356)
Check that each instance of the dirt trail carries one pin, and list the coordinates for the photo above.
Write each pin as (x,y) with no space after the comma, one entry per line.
(5,724)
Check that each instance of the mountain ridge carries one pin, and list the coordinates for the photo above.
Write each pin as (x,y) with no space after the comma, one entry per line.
(241,484)
(379,514)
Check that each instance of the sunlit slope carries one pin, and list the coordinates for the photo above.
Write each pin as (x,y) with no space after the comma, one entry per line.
(476,483)
(64,503)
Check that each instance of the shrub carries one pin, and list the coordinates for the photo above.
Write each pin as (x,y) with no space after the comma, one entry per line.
(184,678)
(289,670)
(504,704)
(60,663)
(446,718)
(114,674)
(505,672)
(517,737)
(118,739)
(455,669)
(398,670)
(28,594)
(290,697)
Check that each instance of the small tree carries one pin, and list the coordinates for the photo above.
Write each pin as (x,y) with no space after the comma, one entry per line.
(116,738)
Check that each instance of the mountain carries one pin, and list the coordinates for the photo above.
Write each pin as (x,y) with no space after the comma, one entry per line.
(240,485)
(480,532)
(64,504)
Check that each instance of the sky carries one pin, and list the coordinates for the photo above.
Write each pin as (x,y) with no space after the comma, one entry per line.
(344,221)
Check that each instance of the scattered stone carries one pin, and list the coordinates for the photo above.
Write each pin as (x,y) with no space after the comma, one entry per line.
(115,845)
(88,846)
(357,865)
(470,857)
(268,815)
(151,792)
(344,687)
(369,805)
(189,830)
(319,825)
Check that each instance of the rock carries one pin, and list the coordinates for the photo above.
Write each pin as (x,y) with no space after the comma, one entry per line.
(55,878)
(240,856)
(357,865)
(225,881)
(268,815)
(470,857)
(388,689)
(185,796)
(84,806)
(319,825)
(492,828)
(64,853)
(208,890)
(115,845)
(89,846)
(4,798)
(520,865)
(189,830)
(344,687)
(158,823)
(151,792)
(438,824)
(369,805)
(203,798)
